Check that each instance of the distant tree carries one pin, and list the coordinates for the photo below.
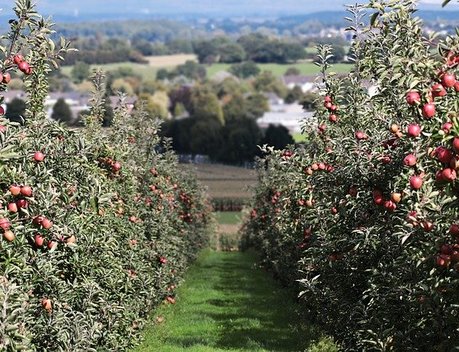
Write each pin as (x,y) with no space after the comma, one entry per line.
(267,82)
(240,141)
(162,74)
(121,85)
(308,101)
(294,94)
(180,46)
(15,110)
(205,137)
(192,70)
(277,137)
(235,108)
(231,52)
(80,71)
(61,112)
(245,69)
(206,51)
(338,53)
(256,105)
(205,105)
(292,71)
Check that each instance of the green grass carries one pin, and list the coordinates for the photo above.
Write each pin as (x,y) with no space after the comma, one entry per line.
(228,303)
(305,68)
(299,137)
(228,217)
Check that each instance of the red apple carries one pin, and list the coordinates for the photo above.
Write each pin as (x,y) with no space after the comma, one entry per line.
(456,86)
(443,154)
(46,223)
(333,118)
(2,110)
(446,127)
(39,240)
(5,223)
(15,190)
(9,235)
(12,208)
(415,182)
(26,191)
(410,160)
(25,67)
(454,230)
(38,156)
(448,80)
(413,97)
(360,135)
(390,205)
(18,58)
(456,144)
(448,174)
(438,90)
(22,203)
(327,99)
(396,197)
(428,110)
(413,130)
(6,77)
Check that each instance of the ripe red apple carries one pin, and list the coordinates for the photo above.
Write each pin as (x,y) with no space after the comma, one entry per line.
(446,249)
(378,197)
(39,240)
(322,128)
(415,182)
(328,105)
(360,135)
(2,111)
(454,230)
(38,220)
(410,160)
(12,208)
(9,235)
(5,223)
(309,203)
(448,80)
(390,205)
(52,244)
(22,203)
(46,223)
(6,77)
(446,127)
(327,99)
(413,97)
(322,166)
(38,156)
(456,144)
(427,226)
(116,166)
(443,154)
(443,260)
(456,86)
(26,191)
(333,108)
(162,260)
(170,299)
(25,67)
(18,58)
(448,174)
(438,90)
(333,118)
(15,190)
(414,130)
(454,163)
(428,110)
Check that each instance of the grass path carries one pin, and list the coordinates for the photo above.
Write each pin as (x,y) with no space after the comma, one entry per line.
(227,303)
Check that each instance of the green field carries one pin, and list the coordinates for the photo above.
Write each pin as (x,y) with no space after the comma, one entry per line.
(299,137)
(228,303)
(228,217)
(305,68)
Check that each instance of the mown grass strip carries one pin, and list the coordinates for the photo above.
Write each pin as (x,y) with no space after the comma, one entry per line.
(228,303)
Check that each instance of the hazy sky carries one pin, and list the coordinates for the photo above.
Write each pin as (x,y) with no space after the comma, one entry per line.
(51,7)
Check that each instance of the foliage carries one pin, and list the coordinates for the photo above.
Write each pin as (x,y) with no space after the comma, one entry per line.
(362,219)
(80,71)
(245,69)
(277,137)
(15,110)
(96,227)
(61,112)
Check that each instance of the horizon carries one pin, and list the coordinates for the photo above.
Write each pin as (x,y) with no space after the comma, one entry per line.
(198,8)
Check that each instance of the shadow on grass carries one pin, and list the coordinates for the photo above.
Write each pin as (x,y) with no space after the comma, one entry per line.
(253,312)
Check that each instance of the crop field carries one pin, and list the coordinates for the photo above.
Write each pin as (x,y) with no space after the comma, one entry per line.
(305,68)
(146,71)
(223,181)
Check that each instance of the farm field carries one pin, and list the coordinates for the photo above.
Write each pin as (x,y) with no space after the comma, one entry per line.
(223,181)
(146,71)
(306,68)
(228,303)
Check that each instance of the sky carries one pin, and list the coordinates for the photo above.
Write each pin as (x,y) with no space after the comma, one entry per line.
(161,7)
